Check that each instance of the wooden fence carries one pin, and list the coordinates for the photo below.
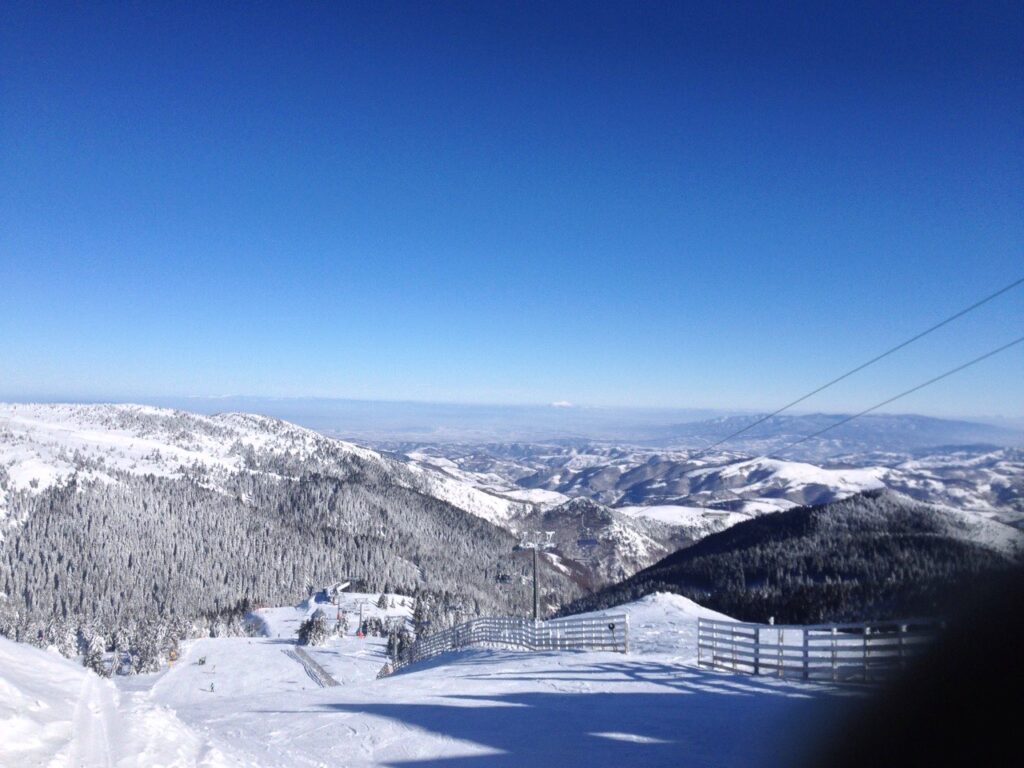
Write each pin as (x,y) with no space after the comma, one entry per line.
(839,652)
(575,633)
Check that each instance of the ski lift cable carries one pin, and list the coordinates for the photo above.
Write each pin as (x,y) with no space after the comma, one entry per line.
(861,367)
(931,381)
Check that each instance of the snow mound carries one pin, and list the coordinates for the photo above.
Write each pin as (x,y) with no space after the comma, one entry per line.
(664,624)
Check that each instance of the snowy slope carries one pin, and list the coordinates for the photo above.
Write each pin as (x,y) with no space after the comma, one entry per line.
(790,480)
(472,499)
(664,624)
(698,522)
(250,703)
(496,708)
(42,444)
(54,713)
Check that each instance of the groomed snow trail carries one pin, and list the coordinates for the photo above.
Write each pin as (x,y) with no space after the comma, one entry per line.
(94,721)
(319,675)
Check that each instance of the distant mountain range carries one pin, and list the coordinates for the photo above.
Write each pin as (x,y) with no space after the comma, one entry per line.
(376,422)
(708,492)
(866,434)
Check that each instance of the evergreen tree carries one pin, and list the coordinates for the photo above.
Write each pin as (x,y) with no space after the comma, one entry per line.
(93,658)
(393,645)
(313,631)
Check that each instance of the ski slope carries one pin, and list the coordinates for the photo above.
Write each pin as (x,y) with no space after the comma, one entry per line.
(54,713)
(250,704)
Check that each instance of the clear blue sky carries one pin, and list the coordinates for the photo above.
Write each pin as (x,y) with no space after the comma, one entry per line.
(609,204)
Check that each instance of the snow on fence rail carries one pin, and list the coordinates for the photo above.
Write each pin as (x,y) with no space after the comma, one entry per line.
(839,652)
(575,633)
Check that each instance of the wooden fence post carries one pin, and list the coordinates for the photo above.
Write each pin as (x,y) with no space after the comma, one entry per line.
(714,645)
(700,633)
(867,634)
(757,650)
(835,667)
(807,654)
(779,637)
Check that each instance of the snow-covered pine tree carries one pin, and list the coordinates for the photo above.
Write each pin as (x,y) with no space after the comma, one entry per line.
(123,639)
(84,635)
(404,641)
(147,647)
(393,645)
(61,634)
(93,658)
(421,615)
(313,631)
(9,619)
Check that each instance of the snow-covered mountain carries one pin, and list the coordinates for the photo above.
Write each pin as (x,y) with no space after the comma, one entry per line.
(705,493)
(609,544)
(232,509)
(642,503)
(875,555)
(42,445)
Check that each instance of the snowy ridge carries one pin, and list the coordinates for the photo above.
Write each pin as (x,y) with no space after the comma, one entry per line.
(986,532)
(664,623)
(43,445)
(493,509)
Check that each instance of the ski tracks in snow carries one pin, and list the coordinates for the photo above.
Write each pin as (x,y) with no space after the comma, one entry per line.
(95,719)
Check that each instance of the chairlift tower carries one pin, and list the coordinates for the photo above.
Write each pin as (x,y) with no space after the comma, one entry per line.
(536,593)
(536,590)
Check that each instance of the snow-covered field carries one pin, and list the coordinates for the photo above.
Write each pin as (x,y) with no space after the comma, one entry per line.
(252,704)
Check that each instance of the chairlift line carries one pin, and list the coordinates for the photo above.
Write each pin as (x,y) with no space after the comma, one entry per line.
(875,407)
(861,367)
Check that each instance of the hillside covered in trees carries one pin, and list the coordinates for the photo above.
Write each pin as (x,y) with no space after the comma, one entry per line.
(873,556)
(141,549)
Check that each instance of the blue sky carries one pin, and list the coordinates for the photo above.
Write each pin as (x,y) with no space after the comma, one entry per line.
(628,204)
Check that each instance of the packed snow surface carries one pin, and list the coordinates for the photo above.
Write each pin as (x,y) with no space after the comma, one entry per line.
(249,703)
(55,713)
